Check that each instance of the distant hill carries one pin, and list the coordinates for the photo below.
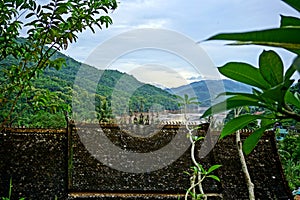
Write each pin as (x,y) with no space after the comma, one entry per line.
(115,90)
(204,95)
(113,84)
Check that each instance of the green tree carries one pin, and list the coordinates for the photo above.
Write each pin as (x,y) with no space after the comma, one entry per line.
(186,101)
(103,109)
(50,27)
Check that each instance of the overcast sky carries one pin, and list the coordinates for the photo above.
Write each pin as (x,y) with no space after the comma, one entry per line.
(194,19)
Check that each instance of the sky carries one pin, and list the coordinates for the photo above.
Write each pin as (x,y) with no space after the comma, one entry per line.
(164,60)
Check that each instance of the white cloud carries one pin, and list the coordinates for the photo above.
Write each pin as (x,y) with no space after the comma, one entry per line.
(197,20)
(158,75)
(154,23)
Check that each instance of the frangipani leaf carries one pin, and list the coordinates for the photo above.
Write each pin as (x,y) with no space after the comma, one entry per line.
(269,120)
(230,103)
(251,141)
(271,67)
(277,93)
(238,123)
(292,69)
(213,168)
(214,177)
(289,72)
(285,37)
(293,99)
(244,73)
(246,95)
(288,21)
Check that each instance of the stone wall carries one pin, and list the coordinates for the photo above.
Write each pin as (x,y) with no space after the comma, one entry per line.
(43,164)
(36,160)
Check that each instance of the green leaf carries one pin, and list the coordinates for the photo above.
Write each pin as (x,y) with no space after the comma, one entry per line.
(246,95)
(29,15)
(202,168)
(213,168)
(292,69)
(244,73)
(38,9)
(199,196)
(279,37)
(271,67)
(214,177)
(267,122)
(251,141)
(185,172)
(230,103)
(192,194)
(277,93)
(289,72)
(288,21)
(238,123)
(194,168)
(293,99)
(197,138)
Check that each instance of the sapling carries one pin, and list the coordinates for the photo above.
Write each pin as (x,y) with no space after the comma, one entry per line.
(198,173)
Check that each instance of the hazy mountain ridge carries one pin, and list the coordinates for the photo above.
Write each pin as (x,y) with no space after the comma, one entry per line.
(204,93)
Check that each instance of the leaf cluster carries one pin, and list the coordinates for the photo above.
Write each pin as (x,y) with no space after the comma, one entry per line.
(271,85)
(50,27)
(195,171)
(208,173)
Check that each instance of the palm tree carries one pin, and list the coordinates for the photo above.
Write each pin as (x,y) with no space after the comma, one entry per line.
(185,101)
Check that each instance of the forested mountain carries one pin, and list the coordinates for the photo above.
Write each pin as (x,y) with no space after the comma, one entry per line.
(48,110)
(117,93)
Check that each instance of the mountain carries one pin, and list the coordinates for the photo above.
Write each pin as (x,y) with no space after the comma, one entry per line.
(115,85)
(117,93)
(206,90)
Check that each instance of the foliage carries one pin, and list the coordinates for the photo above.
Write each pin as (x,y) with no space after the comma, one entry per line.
(286,36)
(289,150)
(198,174)
(59,85)
(104,112)
(185,101)
(10,192)
(271,85)
(194,174)
(50,27)
(245,110)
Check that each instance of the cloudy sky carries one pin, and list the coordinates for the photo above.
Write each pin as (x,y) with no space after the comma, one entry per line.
(184,21)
